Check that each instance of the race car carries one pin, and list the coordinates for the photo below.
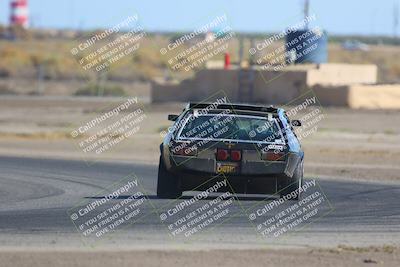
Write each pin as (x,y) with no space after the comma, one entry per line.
(254,148)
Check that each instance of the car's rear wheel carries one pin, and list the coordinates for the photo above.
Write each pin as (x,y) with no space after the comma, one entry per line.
(294,183)
(168,184)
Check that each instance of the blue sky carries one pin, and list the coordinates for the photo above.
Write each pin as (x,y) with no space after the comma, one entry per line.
(341,16)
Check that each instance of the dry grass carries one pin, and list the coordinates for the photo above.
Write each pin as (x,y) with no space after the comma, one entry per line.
(19,59)
(387,58)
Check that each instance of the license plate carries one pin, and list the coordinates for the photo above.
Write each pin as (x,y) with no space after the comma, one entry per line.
(223,167)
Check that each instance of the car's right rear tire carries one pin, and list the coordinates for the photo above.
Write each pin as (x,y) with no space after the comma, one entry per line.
(295,182)
(168,184)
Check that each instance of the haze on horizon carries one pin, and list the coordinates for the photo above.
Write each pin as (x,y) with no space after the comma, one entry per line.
(363,17)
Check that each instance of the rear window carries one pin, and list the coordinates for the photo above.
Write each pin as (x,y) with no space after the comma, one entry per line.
(227,127)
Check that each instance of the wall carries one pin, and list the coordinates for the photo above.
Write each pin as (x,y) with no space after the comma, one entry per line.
(334,84)
(339,74)
(360,96)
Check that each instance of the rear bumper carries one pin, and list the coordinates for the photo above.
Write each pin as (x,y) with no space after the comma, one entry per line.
(181,164)
(253,177)
(266,184)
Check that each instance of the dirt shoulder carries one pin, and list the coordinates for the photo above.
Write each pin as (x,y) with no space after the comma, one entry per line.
(342,256)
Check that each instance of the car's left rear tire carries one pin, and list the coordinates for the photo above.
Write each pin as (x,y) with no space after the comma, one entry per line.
(168,184)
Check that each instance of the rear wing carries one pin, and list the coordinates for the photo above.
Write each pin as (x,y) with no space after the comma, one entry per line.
(238,107)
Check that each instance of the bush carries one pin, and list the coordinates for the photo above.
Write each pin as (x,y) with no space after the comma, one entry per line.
(4,72)
(5,90)
(97,90)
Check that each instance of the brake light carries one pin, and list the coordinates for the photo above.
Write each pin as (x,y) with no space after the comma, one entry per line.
(233,155)
(222,154)
(274,156)
(236,155)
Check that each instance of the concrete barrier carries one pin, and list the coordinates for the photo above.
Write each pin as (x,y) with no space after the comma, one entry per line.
(342,74)
(360,96)
(334,84)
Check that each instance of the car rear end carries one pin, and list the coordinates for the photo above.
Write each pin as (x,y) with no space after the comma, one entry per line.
(247,149)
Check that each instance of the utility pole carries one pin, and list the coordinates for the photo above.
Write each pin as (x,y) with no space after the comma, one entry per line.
(306,11)
(395,18)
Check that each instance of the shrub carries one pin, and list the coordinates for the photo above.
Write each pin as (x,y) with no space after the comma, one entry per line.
(6,90)
(98,90)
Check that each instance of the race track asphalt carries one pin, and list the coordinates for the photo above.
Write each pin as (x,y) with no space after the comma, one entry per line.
(38,196)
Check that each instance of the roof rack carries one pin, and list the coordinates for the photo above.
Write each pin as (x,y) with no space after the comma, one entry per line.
(244,107)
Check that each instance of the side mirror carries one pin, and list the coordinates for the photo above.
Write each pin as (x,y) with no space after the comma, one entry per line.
(172,117)
(295,123)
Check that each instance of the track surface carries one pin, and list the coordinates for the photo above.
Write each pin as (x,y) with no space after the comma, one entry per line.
(35,195)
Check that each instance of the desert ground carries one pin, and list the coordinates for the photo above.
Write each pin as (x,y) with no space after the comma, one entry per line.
(343,256)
